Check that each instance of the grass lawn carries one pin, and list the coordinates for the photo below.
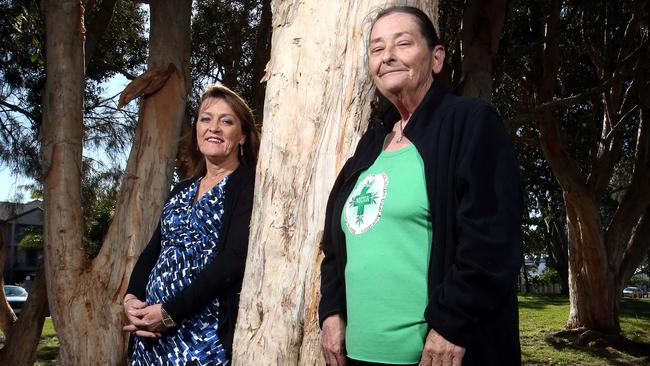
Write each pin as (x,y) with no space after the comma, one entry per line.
(48,347)
(542,315)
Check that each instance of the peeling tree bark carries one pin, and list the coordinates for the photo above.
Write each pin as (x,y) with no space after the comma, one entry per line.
(86,294)
(317,105)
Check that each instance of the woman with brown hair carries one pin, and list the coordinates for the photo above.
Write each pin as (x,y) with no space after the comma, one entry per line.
(183,295)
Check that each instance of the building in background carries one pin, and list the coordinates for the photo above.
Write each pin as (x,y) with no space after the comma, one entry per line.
(17,220)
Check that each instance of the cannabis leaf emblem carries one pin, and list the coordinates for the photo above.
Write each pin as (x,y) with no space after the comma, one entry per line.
(362,199)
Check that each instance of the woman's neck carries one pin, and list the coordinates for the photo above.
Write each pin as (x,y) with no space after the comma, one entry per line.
(215,171)
(408,102)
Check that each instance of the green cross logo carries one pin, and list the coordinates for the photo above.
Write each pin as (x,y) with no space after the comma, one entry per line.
(362,199)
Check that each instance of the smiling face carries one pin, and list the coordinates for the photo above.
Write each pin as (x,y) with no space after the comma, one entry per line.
(401,62)
(218,131)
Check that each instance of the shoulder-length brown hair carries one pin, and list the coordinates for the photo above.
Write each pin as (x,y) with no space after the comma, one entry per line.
(251,145)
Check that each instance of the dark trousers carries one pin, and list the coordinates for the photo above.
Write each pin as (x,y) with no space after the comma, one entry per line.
(352,362)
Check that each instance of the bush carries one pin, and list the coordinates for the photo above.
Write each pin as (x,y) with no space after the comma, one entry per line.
(31,241)
(548,277)
(638,280)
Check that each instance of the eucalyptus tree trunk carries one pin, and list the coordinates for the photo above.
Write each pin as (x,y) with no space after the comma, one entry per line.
(7,315)
(22,341)
(602,255)
(601,261)
(317,105)
(589,275)
(85,295)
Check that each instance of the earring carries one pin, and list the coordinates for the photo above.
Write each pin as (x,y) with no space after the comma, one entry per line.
(241,150)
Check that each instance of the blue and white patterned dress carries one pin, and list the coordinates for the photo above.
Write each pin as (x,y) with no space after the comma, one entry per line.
(189,234)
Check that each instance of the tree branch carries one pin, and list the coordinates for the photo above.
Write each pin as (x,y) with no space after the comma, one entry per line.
(637,198)
(127,74)
(551,139)
(636,248)
(590,50)
(569,101)
(260,59)
(550,54)
(627,99)
(609,153)
(18,109)
(620,123)
(641,170)
(480,34)
(632,54)
(9,132)
(631,30)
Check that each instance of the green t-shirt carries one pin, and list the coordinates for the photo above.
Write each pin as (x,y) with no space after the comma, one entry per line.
(388,238)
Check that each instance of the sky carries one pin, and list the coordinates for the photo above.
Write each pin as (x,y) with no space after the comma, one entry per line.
(10,184)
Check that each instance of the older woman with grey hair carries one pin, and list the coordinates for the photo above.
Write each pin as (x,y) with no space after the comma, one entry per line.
(422,238)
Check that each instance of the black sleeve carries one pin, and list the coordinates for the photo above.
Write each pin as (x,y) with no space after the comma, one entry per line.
(227,268)
(488,231)
(144,265)
(332,299)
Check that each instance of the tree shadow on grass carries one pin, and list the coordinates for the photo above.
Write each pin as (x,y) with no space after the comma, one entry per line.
(612,348)
(638,308)
(48,351)
(542,301)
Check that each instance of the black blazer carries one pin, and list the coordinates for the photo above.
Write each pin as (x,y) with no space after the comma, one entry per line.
(476,206)
(222,278)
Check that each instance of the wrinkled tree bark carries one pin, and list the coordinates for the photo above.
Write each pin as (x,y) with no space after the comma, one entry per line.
(86,294)
(317,105)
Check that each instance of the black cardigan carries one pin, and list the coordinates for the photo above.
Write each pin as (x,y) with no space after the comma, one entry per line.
(476,206)
(222,278)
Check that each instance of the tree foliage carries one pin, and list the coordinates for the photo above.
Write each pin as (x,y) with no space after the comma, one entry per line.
(99,190)
(22,71)
(120,49)
(228,40)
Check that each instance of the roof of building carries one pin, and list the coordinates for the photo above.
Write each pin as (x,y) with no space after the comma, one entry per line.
(10,210)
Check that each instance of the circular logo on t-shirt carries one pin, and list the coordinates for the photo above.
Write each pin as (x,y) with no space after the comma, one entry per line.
(363,207)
